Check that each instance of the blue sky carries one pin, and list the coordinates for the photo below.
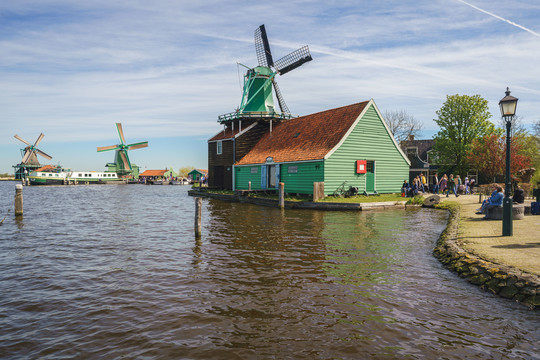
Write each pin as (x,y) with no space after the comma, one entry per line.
(166,69)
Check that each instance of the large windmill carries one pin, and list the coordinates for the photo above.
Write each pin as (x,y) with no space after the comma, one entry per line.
(121,164)
(257,99)
(29,160)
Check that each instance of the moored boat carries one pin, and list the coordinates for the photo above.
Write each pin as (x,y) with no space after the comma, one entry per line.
(65,177)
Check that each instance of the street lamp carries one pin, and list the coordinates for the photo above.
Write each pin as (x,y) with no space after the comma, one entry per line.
(508,110)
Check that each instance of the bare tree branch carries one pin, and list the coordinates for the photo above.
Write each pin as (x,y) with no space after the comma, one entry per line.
(402,125)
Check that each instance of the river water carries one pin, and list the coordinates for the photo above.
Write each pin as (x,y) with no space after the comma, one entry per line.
(114,271)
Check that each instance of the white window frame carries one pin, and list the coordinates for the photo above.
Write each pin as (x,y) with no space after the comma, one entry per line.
(219,147)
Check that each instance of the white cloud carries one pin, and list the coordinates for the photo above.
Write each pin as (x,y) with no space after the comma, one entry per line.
(167,69)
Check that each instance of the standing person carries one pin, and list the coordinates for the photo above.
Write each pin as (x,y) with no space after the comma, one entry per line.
(414,186)
(471,185)
(467,185)
(458,184)
(451,186)
(423,182)
(443,183)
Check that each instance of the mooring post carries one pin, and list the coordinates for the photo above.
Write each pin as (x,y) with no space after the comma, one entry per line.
(249,185)
(281,195)
(198,213)
(18,200)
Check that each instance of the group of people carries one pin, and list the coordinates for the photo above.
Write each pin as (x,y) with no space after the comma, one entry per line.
(444,184)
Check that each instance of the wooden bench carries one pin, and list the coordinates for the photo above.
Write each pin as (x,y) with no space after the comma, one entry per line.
(496,213)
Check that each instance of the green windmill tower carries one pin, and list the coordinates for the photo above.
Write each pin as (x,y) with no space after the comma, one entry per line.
(257,98)
(122,166)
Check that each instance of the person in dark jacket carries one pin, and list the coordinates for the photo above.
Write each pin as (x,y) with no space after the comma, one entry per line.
(519,195)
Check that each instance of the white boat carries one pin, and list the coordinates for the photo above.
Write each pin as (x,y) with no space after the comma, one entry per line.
(64,177)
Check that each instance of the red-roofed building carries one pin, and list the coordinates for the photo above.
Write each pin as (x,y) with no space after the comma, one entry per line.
(342,147)
(157,174)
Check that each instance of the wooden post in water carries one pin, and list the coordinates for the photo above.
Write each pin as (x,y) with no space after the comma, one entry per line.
(249,185)
(281,195)
(198,212)
(18,200)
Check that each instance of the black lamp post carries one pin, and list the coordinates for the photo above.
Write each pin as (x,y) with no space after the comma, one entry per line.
(508,110)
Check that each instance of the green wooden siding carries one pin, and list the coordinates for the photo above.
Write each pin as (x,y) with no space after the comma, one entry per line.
(302,180)
(368,141)
(297,177)
(243,176)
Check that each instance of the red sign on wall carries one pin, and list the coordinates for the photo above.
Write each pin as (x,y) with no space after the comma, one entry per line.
(361,166)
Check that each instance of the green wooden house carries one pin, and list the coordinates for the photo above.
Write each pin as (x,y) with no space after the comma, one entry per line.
(197,174)
(343,147)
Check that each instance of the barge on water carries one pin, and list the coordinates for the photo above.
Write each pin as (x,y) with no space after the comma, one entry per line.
(68,177)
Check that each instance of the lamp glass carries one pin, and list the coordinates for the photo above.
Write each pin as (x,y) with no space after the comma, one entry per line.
(508,108)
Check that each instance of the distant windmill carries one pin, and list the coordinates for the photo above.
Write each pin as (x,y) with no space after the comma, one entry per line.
(257,93)
(121,158)
(31,151)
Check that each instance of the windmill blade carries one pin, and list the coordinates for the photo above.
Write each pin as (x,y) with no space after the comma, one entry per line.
(38,139)
(293,60)
(27,154)
(48,157)
(125,160)
(120,133)
(262,47)
(138,145)
(106,148)
(281,101)
(21,139)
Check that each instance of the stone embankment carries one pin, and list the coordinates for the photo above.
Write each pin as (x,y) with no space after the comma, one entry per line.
(505,281)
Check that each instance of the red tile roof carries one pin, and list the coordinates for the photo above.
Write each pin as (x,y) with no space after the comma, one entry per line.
(308,137)
(154,172)
(46,168)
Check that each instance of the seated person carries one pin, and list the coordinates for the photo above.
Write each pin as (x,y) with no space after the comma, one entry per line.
(405,187)
(519,196)
(485,203)
(496,200)
(413,190)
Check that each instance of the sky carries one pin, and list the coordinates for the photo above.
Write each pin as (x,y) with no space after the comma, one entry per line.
(166,69)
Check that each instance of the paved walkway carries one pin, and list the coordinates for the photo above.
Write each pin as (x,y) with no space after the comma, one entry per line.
(484,237)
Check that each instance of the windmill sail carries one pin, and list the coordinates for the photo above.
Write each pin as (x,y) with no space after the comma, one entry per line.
(293,60)
(21,139)
(123,165)
(262,47)
(31,151)
(281,101)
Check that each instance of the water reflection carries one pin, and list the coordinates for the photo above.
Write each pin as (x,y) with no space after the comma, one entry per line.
(116,271)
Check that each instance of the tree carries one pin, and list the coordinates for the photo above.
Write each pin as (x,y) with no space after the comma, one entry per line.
(402,125)
(536,128)
(461,119)
(517,126)
(488,156)
(184,171)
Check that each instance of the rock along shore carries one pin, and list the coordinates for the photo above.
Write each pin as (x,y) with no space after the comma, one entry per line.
(500,279)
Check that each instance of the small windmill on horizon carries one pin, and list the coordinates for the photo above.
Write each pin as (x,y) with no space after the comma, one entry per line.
(122,165)
(29,161)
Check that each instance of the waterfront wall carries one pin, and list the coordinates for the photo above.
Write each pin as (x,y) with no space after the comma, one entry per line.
(498,279)
(301,204)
